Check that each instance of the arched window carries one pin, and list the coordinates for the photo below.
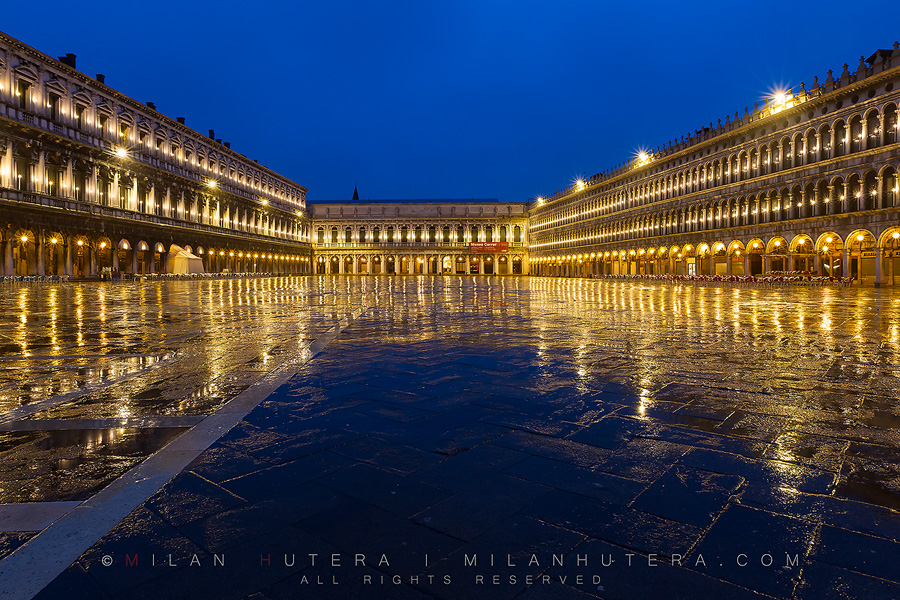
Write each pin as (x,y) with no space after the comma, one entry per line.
(503,233)
(460,234)
(446,235)
(376,235)
(432,234)
(404,234)
(320,235)
(418,233)
(474,234)
(334,235)
(362,235)
(489,234)
(348,235)
(390,234)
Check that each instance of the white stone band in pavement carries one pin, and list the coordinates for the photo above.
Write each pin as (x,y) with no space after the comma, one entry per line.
(32,516)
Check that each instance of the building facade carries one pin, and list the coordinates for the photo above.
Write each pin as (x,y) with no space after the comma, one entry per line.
(805,182)
(92,179)
(421,238)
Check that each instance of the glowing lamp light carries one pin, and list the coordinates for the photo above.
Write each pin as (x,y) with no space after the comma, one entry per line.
(53,240)
(80,243)
(102,245)
(121,152)
(828,240)
(895,235)
(24,239)
(860,238)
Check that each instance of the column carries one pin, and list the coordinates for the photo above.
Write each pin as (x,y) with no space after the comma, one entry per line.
(94,195)
(845,266)
(40,185)
(69,257)
(878,268)
(9,267)
(70,178)
(746,264)
(39,248)
(765,264)
(728,265)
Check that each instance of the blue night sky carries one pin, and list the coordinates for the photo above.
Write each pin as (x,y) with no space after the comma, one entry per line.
(458,99)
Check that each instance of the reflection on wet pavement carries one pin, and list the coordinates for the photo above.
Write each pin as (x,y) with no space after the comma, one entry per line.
(71,464)
(124,355)
(464,415)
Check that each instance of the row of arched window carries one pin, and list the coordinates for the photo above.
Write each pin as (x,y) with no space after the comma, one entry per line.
(856,192)
(872,129)
(406,234)
(102,184)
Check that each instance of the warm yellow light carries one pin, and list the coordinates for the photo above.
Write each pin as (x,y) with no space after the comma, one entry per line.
(828,240)
(80,243)
(121,152)
(780,97)
(24,239)
(895,235)
(801,242)
(211,183)
(777,242)
(756,244)
(860,237)
(53,240)
(102,245)
(579,185)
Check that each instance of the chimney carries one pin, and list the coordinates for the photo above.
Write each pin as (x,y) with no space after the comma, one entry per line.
(101,78)
(228,144)
(68,59)
(151,105)
(212,134)
(218,140)
(180,120)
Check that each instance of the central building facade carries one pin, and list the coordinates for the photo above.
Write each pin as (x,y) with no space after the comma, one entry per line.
(437,237)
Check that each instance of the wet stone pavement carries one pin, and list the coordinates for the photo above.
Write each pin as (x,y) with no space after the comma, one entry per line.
(448,437)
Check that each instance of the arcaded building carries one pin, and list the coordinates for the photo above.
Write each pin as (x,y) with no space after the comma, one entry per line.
(459,237)
(805,180)
(92,179)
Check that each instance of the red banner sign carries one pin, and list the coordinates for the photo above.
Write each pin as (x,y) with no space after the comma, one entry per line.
(488,246)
